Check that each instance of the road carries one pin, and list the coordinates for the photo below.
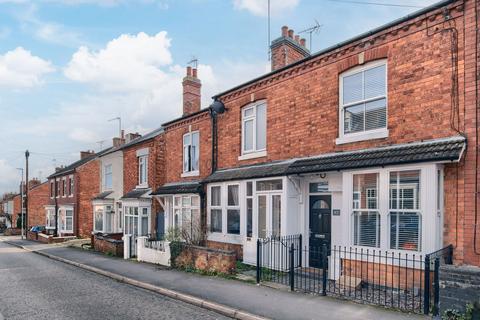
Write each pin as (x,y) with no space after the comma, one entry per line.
(35,287)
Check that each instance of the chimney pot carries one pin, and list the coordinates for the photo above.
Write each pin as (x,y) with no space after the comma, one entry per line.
(284,31)
(194,73)
(290,33)
(303,42)
(189,71)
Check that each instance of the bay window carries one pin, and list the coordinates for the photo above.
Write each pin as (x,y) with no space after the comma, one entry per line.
(254,128)
(363,102)
(98,226)
(50,223)
(404,214)
(366,217)
(186,214)
(249,207)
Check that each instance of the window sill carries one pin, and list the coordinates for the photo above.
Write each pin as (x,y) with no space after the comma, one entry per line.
(377,134)
(253,155)
(190,174)
(142,186)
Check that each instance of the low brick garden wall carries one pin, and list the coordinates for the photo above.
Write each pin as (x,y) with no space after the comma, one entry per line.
(109,244)
(45,238)
(13,232)
(207,259)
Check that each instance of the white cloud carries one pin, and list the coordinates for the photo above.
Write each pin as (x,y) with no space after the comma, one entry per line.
(10,176)
(19,68)
(260,7)
(129,62)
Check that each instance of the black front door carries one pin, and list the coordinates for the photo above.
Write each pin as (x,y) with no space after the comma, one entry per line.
(320,227)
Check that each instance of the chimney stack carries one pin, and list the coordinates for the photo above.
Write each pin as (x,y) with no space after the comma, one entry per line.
(117,142)
(287,49)
(86,154)
(131,136)
(191,92)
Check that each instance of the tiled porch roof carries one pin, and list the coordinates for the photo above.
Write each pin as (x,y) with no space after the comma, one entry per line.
(440,150)
(263,170)
(136,194)
(103,196)
(179,188)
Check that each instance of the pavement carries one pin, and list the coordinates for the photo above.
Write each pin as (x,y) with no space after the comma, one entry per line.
(246,299)
(36,287)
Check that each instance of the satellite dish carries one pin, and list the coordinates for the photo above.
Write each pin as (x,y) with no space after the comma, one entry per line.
(218,107)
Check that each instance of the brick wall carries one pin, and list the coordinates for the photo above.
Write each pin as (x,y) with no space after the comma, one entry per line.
(303,106)
(88,186)
(38,198)
(17,208)
(174,147)
(207,259)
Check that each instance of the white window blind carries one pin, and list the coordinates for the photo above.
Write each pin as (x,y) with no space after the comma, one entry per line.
(405,217)
(366,218)
(364,99)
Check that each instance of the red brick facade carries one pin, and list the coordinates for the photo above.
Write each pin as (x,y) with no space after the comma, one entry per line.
(425,92)
(38,198)
(88,186)
(17,209)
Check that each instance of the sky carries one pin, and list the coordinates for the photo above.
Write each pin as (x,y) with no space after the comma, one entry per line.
(69,66)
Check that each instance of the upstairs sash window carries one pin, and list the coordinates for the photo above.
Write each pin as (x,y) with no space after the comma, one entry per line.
(191,151)
(254,128)
(363,98)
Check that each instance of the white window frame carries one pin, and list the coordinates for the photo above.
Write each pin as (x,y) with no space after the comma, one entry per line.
(64,187)
(71,188)
(186,172)
(143,170)
(50,218)
(369,134)
(98,208)
(105,173)
(254,152)
(417,211)
(180,207)
(232,207)
(215,207)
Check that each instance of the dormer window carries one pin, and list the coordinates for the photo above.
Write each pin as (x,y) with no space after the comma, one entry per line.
(254,130)
(191,151)
(363,103)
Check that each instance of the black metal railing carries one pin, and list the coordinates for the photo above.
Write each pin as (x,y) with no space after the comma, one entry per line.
(274,259)
(399,280)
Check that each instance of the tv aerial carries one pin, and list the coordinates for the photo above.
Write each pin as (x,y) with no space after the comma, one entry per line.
(315,29)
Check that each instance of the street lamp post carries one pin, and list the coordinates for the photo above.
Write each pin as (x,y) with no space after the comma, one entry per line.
(22,204)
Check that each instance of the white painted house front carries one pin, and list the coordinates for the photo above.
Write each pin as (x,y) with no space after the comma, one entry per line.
(107,207)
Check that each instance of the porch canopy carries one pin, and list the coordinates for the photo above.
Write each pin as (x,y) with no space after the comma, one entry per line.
(193,187)
(136,194)
(439,150)
(103,197)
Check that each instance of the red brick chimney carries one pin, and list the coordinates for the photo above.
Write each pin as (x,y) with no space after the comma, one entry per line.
(132,136)
(85,154)
(287,49)
(191,92)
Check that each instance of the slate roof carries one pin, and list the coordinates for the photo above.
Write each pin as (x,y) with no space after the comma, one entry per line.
(179,188)
(71,167)
(103,196)
(391,24)
(264,170)
(427,151)
(440,150)
(136,194)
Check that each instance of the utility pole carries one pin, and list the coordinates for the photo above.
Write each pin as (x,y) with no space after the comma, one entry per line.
(27,154)
(22,202)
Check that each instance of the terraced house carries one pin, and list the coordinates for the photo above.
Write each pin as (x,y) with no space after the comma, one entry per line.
(367,146)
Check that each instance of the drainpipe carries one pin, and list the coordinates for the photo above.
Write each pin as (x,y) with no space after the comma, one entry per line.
(213,117)
(56,205)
